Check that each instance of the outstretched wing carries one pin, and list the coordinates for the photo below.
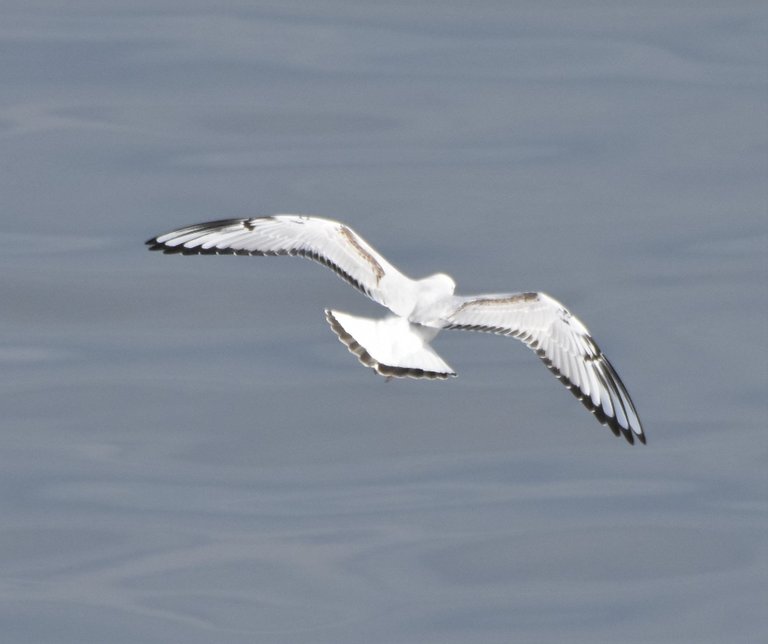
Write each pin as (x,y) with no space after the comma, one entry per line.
(325,241)
(565,346)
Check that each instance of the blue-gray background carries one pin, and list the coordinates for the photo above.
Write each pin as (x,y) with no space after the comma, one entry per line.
(189,455)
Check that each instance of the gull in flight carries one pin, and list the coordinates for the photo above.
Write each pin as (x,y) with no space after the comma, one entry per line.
(398,345)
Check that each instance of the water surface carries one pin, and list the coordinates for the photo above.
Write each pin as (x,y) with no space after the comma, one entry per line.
(189,455)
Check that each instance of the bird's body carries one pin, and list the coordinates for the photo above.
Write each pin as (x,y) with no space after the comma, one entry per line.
(398,345)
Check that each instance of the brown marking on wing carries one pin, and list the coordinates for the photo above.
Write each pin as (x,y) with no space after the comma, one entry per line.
(355,243)
(491,301)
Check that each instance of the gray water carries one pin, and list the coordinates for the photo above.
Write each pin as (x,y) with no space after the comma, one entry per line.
(189,455)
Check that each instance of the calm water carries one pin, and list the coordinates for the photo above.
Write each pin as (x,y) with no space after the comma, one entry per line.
(189,455)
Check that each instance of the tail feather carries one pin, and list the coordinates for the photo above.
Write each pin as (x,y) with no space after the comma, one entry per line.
(392,346)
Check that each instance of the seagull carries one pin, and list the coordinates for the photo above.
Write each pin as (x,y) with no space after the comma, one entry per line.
(398,345)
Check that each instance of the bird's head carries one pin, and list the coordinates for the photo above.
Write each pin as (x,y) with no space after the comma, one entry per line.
(441,283)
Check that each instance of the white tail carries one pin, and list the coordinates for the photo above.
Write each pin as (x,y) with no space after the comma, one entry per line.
(392,346)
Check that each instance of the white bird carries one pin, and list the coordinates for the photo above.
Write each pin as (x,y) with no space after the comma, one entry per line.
(398,345)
